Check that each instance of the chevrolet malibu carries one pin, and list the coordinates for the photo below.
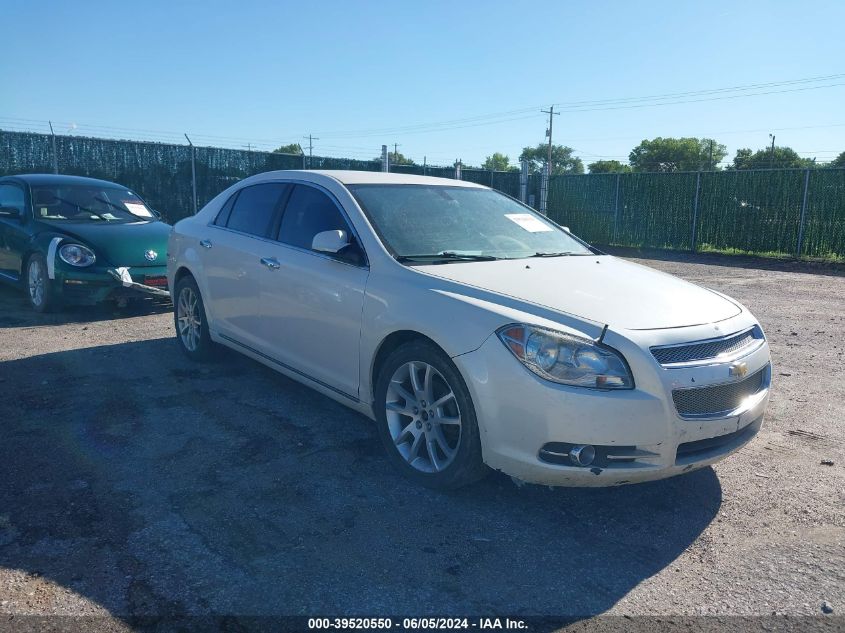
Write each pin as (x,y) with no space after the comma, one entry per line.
(475,332)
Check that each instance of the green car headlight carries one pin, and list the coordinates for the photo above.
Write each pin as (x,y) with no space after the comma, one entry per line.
(77,255)
(567,359)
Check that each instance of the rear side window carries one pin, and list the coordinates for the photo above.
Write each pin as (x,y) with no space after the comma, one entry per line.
(223,216)
(309,211)
(253,210)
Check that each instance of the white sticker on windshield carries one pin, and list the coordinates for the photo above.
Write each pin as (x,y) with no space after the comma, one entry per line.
(529,222)
(138,209)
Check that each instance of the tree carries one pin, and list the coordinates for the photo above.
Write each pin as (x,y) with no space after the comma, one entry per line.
(608,167)
(396,158)
(783,157)
(839,161)
(293,148)
(677,154)
(563,161)
(497,162)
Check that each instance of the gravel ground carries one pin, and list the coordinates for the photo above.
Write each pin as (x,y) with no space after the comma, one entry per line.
(133,482)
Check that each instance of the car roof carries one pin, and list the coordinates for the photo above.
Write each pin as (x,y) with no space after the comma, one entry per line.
(60,179)
(349,177)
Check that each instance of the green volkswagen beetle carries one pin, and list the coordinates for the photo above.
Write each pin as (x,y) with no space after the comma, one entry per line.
(74,240)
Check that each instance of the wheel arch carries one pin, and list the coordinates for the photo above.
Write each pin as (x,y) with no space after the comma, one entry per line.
(388,345)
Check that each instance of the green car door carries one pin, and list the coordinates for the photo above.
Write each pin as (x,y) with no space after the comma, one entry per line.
(13,229)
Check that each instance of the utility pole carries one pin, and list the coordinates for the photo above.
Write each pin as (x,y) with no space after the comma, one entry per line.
(772,155)
(396,153)
(551,112)
(710,161)
(311,140)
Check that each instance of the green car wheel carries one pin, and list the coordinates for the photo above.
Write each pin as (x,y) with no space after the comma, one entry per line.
(39,287)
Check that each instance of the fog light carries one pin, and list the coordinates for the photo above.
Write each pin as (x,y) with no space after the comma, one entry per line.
(582,454)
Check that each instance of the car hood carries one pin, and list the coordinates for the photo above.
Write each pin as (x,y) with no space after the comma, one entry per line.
(122,244)
(602,289)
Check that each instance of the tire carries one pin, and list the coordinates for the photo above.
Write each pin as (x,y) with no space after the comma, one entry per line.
(39,288)
(428,427)
(190,321)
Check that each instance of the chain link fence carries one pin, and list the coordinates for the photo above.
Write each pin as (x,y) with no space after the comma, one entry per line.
(793,212)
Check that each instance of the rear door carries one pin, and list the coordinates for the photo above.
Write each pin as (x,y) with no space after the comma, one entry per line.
(311,302)
(231,254)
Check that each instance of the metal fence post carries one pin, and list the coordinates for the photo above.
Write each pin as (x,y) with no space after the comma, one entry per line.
(616,209)
(55,154)
(695,212)
(803,214)
(544,190)
(523,183)
(193,173)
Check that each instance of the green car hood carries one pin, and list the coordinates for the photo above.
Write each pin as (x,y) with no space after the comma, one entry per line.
(121,243)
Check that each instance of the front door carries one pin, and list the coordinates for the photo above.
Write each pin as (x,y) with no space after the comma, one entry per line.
(311,302)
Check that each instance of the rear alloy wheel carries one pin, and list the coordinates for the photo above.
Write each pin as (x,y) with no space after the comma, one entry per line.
(190,321)
(39,289)
(426,418)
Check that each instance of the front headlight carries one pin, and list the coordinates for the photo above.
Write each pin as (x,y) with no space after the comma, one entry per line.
(77,255)
(567,359)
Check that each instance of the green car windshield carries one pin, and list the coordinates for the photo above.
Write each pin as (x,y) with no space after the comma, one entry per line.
(446,224)
(86,203)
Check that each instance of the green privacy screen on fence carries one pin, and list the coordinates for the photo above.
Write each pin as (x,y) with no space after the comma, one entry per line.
(759,211)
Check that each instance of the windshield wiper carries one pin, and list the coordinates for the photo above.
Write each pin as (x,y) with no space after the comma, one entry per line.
(81,208)
(558,254)
(446,256)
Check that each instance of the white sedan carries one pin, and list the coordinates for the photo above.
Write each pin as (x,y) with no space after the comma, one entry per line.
(471,329)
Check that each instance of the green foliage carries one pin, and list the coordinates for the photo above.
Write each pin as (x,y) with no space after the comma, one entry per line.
(608,167)
(396,158)
(676,154)
(839,161)
(783,158)
(293,148)
(563,161)
(497,162)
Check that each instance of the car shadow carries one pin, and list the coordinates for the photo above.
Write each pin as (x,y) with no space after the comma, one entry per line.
(152,486)
(18,313)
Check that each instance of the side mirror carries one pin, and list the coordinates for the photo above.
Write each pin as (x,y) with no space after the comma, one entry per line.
(566,228)
(10,212)
(330,241)
(156,214)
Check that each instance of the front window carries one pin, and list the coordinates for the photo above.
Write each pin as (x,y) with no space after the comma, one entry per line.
(427,223)
(88,203)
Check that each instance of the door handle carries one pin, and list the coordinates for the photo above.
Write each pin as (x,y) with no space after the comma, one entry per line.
(205,243)
(271,262)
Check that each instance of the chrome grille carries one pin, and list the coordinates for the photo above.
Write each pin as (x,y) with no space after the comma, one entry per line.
(718,399)
(705,350)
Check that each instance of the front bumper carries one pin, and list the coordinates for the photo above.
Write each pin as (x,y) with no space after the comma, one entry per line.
(527,424)
(91,286)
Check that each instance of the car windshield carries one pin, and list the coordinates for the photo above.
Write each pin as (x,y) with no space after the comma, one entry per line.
(443,224)
(86,203)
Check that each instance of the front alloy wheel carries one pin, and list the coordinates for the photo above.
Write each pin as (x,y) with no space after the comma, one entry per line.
(423,417)
(38,286)
(426,417)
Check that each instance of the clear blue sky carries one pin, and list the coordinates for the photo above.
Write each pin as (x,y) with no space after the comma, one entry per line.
(268,73)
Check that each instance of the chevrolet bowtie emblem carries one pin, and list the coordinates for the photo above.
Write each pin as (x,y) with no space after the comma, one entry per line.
(738,370)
